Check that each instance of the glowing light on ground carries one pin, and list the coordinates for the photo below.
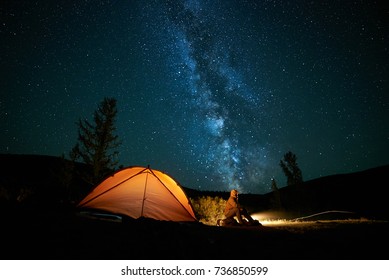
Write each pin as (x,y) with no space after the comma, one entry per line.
(270,217)
(273,218)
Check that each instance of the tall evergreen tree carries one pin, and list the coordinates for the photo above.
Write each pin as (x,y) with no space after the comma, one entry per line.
(276,195)
(97,142)
(291,169)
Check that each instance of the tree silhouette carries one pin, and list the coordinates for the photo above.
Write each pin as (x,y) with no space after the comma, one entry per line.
(276,201)
(291,169)
(97,142)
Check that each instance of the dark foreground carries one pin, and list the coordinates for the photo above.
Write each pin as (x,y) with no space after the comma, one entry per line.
(65,235)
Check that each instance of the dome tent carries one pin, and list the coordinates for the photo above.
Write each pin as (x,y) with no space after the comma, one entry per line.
(141,192)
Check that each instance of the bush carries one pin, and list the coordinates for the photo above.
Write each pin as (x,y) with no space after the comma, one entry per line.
(208,209)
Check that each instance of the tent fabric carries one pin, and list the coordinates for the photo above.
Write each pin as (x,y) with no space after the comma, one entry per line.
(141,192)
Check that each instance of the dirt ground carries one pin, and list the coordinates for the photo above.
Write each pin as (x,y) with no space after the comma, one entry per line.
(69,236)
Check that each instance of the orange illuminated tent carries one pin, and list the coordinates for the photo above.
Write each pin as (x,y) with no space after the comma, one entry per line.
(141,192)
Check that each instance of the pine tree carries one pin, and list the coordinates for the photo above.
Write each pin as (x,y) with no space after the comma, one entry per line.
(276,195)
(291,169)
(97,142)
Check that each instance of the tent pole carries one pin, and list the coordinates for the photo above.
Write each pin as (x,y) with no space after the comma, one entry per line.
(144,193)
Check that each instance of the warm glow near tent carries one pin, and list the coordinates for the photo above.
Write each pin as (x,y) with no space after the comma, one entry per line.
(141,192)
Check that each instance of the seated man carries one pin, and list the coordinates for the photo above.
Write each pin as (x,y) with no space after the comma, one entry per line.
(234,209)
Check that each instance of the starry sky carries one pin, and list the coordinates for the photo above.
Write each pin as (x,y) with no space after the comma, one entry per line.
(213,93)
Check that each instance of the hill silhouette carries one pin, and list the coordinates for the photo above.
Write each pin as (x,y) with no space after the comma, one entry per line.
(361,192)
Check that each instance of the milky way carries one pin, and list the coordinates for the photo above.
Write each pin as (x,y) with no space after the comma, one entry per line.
(222,124)
(213,93)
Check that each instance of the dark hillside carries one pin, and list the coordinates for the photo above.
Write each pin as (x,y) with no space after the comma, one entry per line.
(361,192)
(33,179)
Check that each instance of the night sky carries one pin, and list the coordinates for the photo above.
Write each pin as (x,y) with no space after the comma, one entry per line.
(213,93)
